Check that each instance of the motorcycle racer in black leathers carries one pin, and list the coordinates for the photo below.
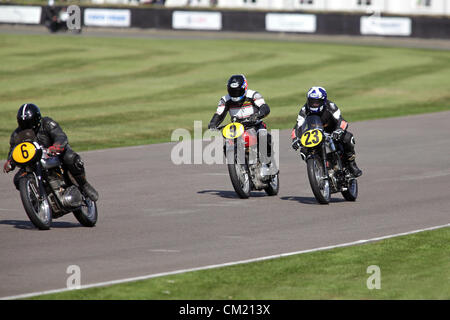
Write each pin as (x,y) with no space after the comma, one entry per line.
(243,104)
(317,103)
(49,134)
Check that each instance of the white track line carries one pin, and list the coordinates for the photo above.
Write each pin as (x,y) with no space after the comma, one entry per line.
(108,283)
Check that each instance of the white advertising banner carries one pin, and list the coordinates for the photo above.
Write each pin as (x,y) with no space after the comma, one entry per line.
(20,14)
(386,26)
(197,20)
(291,22)
(107,17)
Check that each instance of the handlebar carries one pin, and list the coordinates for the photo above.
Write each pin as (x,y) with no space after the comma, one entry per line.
(247,121)
(47,155)
(244,121)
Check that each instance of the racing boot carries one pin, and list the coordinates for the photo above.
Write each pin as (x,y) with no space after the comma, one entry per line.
(86,187)
(351,164)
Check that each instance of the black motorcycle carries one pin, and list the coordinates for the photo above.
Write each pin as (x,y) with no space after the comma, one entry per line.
(323,156)
(47,190)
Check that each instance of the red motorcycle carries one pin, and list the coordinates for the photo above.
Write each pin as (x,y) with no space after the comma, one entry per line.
(243,151)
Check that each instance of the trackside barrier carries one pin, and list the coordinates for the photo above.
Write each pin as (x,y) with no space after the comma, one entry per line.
(244,21)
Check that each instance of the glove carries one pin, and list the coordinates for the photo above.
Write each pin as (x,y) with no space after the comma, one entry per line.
(7,167)
(296,144)
(254,117)
(303,153)
(337,134)
(55,149)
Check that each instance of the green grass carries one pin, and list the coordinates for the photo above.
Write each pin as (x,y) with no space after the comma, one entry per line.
(411,267)
(111,92)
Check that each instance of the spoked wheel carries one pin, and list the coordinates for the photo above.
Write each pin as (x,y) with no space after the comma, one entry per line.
(240,179)
(87,215)
(36,205)
(352,191)
(318,180)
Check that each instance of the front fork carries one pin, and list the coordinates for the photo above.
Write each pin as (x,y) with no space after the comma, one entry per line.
(320,154)
(325,167)
(37,174)
(235,151)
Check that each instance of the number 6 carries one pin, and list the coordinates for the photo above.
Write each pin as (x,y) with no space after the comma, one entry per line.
(24,151)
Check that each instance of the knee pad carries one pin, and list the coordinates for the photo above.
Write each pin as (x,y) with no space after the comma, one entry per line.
(349,143)
(74,163)
(352,140)
(263,133)
(348,138)
(79,164)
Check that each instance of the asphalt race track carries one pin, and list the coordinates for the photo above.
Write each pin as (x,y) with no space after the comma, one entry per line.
(156,217)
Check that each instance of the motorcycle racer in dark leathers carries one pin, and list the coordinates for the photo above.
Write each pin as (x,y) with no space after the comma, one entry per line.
(50,135)
(243,104)
(317,103)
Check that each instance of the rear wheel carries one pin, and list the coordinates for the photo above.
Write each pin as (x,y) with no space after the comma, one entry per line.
(318,180)
(352,191)
(36,205)
(274,186)
(240,179)
(87,215)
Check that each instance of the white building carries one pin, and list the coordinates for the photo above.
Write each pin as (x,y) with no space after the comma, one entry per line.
(398,7)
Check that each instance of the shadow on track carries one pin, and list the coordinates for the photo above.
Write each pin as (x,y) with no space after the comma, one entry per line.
(231,194)
(27,225)
(310,200)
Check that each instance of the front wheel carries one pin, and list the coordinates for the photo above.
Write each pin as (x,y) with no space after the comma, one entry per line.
(87,215)
(35,204)
(352,191)
(318,179)
(240,180)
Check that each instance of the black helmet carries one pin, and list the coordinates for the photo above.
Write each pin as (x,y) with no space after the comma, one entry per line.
(237,87)
(29,117)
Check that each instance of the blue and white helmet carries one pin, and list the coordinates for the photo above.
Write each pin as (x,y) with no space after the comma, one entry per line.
(317,97)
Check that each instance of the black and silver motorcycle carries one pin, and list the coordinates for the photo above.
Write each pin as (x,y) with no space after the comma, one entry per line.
(323,156)
(47,190)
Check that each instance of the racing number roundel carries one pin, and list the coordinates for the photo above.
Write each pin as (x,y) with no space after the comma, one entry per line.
(311,138)
(233,130)
(24,152)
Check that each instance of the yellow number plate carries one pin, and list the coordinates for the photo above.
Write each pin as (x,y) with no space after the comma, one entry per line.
(233,130)
(24,152)
(311,138)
